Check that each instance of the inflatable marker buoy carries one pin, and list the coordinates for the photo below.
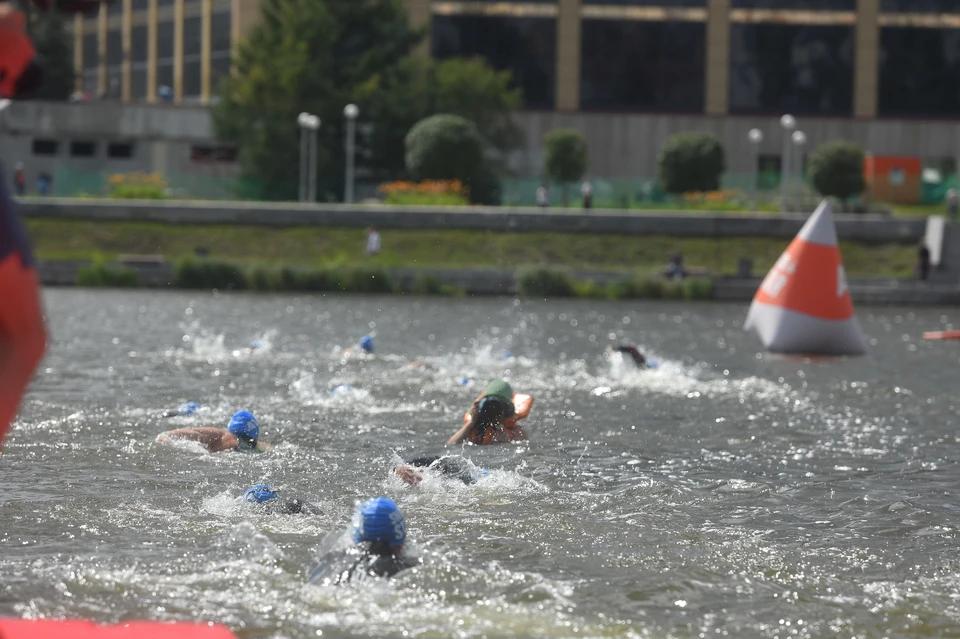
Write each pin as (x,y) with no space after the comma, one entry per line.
(941,335)
(803,305)
(81,629)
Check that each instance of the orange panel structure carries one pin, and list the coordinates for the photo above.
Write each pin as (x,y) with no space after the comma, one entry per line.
(893,179)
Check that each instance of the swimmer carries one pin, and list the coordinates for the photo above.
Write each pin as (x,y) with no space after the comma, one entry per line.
(412,471)
(241,434)
(187,408)
(423,366)
(494,417)
(630,350)
(268,500)
(366,346)
(379,535)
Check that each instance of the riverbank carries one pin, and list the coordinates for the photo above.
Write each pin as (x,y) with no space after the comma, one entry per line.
(313,247)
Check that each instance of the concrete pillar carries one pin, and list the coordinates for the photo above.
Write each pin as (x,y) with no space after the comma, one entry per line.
(152,50)
(418,16)
(567,96)
(78,52)
(717,89)
(126,35)
(178,51)
(866,84)
(102,50)
(245,15)
(206,17)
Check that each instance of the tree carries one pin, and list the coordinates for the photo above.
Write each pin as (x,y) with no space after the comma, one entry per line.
(54,51)
(691,162)
(448,147)
(836,170)
(305,55)
(565,157)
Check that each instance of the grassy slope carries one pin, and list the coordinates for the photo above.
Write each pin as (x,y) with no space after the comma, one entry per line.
(68,239)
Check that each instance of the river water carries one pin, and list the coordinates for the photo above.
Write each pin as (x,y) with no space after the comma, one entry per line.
(725,493)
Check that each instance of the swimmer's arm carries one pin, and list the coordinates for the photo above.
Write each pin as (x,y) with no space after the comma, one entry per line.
(213,439)
(409,474)
(517,433)
(461,434)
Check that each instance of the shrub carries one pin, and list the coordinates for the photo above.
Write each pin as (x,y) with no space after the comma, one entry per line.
(364,279)
(101,274)
(836,170)
(546,282)
(691,162)
(137,186)
(697,288)
(209,274)
(449,147)
(565,157)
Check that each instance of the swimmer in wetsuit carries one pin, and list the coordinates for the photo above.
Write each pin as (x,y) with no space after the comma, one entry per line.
(268,500)
(631,351)
(242,434)
(493,417)
(379,534)
(452,466)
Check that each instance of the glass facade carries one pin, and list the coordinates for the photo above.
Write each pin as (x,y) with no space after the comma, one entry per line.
(670,4)
(642,66)
(798,5)
(138,45)
(524,46)
(220,31)
(920,6)
(801,69)
(919,71)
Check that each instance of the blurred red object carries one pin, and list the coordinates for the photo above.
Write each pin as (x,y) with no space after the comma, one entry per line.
(18,71)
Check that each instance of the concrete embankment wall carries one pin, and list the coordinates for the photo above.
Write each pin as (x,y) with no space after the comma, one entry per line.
(864,228)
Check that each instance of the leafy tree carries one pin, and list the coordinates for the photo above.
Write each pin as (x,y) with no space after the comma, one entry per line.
(565,157)
(691,162)
(449,147)
(54,49)
(305,55)
(836,170)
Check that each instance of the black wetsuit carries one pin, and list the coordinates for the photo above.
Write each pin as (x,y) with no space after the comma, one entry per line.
(289,506)
(451,466)
(632,351)
(369,559)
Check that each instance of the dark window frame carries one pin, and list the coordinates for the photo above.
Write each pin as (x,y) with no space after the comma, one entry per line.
(39,147)
(79,148)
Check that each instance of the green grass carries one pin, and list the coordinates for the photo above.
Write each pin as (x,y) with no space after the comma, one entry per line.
(312,246)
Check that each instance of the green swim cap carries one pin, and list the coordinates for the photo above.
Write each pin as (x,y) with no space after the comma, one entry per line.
(499,388)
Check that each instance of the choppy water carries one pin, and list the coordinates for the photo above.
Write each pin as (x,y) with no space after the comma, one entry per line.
(727,493)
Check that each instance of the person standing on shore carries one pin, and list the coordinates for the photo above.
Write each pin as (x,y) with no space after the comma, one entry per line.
(543,196)
(19,180)
(953,202)
(586,192)
(923,262)
(373,241)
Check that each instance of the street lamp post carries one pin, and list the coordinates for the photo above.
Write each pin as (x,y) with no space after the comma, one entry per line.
(788,123)
(350,112)
(799,139)
(756,137)
(309,124)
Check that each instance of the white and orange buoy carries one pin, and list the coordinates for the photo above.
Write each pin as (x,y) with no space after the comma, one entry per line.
(933,335)
(803,305)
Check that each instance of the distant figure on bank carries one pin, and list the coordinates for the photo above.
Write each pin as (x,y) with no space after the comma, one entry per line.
(267,499)
(242,434)
(628,350)
(923,262)
(379,535)
(494,417)
(953,202)
(543,196)
(373,241)
(19,179)
(44,182)
(412,471)
(586,192)
(674,268)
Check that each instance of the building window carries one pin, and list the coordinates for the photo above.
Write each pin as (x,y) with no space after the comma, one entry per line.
(920,6)
(83,149)
(191,36)
(120,150)
(649,3)
(642,66)
(191,79)
(918,72)
(165,40)
(114,47)
(213,154)
(138,44)
(45,147)
(220,31)
(91,55)
(524,46)
(798,5)
(800,69)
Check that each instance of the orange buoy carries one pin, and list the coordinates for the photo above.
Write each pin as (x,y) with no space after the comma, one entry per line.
(941,335)
(803,305)
(82,629)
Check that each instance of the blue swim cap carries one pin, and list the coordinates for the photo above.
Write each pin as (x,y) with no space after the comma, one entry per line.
(366,344)
(341,389)
(244,423)
(379,519)
(259,494)
(189,408)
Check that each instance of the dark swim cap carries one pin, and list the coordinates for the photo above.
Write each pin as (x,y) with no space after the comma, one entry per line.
(499,388)
(259,494)
(379,519)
